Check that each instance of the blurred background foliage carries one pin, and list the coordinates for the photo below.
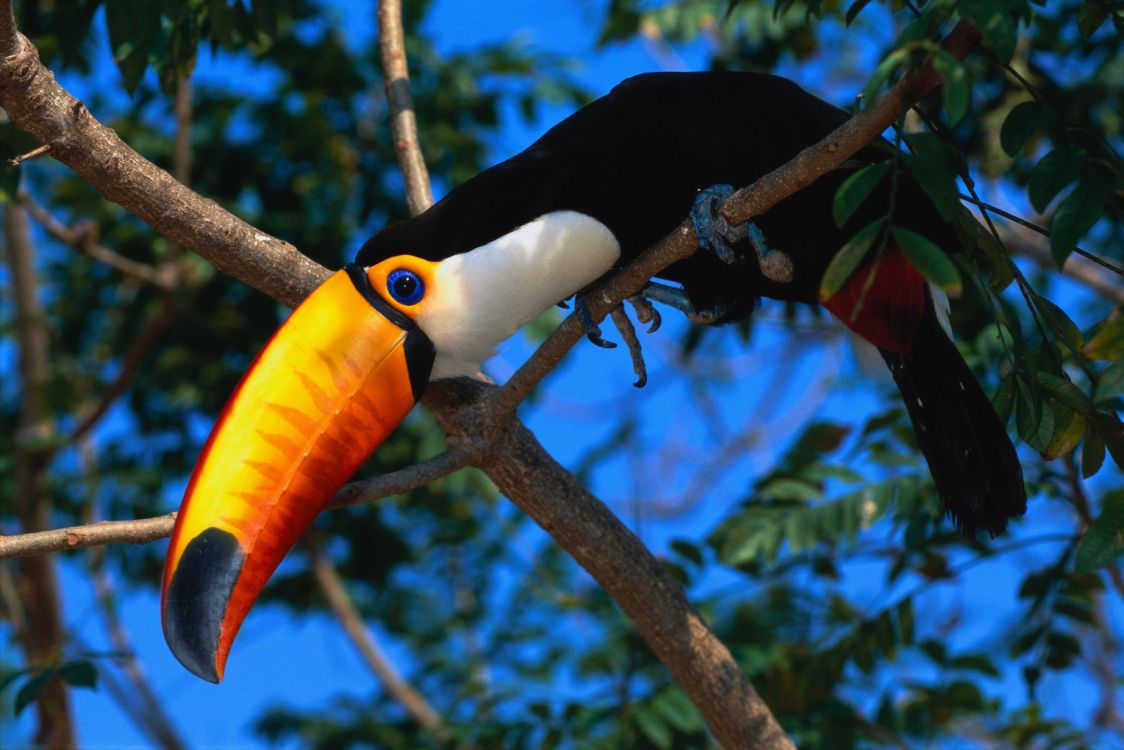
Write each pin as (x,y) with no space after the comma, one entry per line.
(821,560)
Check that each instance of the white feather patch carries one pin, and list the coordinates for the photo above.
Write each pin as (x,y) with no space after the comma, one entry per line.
(480,298)
(942,306)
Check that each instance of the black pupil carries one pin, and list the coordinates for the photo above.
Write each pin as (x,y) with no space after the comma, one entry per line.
(405,286)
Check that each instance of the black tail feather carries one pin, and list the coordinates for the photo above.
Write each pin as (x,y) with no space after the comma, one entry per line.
(970,456)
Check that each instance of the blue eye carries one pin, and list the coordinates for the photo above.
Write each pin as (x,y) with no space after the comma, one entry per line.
(405,286)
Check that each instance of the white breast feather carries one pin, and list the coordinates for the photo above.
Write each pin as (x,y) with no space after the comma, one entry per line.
(480,298)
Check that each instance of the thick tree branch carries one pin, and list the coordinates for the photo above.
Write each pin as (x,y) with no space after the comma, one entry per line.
(403,124)
(36,103)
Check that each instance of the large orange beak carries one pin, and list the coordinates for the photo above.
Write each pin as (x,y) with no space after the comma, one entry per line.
(324,393)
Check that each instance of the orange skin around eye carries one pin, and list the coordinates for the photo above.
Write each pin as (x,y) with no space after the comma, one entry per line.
(424,269)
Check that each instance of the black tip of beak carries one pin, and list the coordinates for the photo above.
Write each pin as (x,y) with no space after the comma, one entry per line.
(197,598)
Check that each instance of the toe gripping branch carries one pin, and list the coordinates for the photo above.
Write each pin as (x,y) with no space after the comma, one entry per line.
(716,235)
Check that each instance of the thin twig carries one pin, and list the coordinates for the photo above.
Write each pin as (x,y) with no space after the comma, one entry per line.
(144,530)
(34,153)
(1042,231)
(403,123)
(83,240)
(338,599)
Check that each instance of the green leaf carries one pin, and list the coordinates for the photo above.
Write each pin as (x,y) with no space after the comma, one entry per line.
(8,676)
(855,9)
(674,705)
(976,663)
(1053,172)
(929,259)
(1091,15)
(1059,323)
(1092,453)
(1065,391)
(653,727)
(132,25)
(956,88)
(1075,216)
(80,673)
(1068,429)
(31,689)
(1108,341)
(1104,541)
(995,21)
(1003,401)
(1110,384)
(935,168)
(1113,435)
(1022,122)
(848,259)
(855,190)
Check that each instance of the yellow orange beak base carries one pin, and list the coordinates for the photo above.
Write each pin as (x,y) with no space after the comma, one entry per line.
(324,393)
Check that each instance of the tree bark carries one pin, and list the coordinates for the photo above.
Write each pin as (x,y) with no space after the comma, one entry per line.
(36,578)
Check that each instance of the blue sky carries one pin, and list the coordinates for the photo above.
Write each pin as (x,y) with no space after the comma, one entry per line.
(305,662)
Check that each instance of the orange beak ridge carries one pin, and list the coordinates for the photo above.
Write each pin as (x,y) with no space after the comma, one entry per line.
(324,393)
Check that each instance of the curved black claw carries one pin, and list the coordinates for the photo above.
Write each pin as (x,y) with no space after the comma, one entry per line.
(592,330)
(714,232)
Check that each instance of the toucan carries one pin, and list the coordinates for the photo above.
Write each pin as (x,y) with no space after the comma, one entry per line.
(432,296)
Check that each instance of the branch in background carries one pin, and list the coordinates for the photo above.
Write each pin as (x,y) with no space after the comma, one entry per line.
(337,597)
(403,124)
(1076,267)
(36,578)
(84,240)
(145,530)
(143,706)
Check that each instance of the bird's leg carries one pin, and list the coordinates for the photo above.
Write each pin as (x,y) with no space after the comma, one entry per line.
(592,330)
(628,333)
(717,236)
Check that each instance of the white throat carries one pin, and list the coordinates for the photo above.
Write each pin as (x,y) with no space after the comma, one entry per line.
(480,298)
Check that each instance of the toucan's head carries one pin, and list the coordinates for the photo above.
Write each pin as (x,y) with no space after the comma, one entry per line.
(329,387)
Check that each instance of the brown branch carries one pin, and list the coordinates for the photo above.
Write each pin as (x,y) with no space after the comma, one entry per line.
(149,715)
(36,103)
(338,599)
(658,608)
(84,241)
(145,530)
(403,124)
(1077,268)
(36,578)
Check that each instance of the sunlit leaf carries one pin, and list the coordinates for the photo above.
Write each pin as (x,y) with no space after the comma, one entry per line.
(929,259)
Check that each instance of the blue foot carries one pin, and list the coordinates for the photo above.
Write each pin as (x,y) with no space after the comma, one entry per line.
(714,232)
(716,235)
